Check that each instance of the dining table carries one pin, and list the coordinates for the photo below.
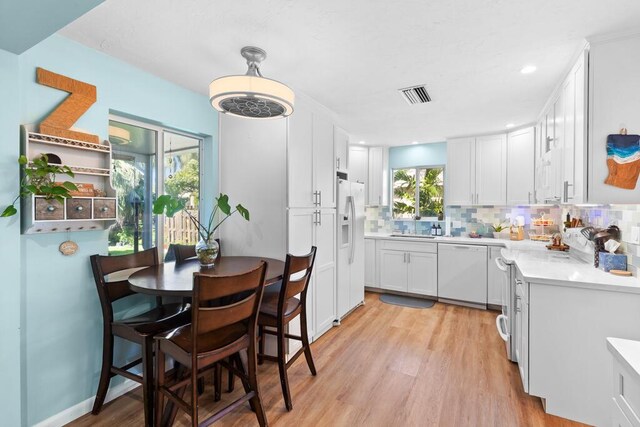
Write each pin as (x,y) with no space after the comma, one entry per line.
(176,280)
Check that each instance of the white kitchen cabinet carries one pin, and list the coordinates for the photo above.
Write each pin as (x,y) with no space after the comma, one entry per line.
(460,172)
(422,273)
(359,168)
(521,166)
(495,278)
(370,263)
(408,267)
(625,408)
(522,330)
(341,142)
(476,171)
(491,170)
(393,270)
(378,176)
(311,159)
(309,227)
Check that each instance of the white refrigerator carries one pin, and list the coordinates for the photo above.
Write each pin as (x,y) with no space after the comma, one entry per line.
(350,241)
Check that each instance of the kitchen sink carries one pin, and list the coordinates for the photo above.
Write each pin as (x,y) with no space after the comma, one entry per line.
(420,236)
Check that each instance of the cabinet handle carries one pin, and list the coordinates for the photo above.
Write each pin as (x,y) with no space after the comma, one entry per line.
(404,257)
(566,191)
(315,198)
(472,198)
(379,200)
(320,218)
(79,208)
(104,209)
(529,197)
(320,198)
(338,162)
(477,199)
(409,257)
(51,208)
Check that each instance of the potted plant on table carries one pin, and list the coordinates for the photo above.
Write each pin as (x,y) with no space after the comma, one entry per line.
(207,248)
(498,229)
(40,179)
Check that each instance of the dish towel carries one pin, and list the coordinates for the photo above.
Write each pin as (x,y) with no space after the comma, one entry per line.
(623,160)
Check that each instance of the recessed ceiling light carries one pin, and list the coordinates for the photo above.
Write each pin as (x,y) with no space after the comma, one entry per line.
(509,125)
(414,143)
(528,69)
(362,142)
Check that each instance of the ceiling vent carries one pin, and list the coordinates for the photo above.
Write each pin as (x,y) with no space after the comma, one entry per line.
(415,94)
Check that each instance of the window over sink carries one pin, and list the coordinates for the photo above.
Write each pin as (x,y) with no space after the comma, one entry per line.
(418,189)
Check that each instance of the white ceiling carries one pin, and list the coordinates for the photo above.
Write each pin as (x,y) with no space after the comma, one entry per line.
(353,55)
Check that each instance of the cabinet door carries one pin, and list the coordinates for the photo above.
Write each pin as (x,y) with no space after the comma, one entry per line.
(300,158)
(393,270)
(578,191)
(370,263)
(325,271)
(520,167)
(460,172)
(324,164)
(495,278)
(491,170)
(301,227)
(568,148)
(359,168)
(422,273)
(341,141)
(377,177)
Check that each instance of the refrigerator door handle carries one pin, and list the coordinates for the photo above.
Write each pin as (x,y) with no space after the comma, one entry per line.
(352,214)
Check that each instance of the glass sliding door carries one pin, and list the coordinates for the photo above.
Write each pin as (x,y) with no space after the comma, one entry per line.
(182,179)
(134,177)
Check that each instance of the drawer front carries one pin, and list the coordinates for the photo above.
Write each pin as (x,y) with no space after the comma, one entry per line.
(78,208)
(48,210)
(626,392)
(395,245)
(104,208)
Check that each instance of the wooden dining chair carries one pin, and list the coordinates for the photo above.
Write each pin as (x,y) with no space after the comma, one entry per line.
(184,253)
(215,334)
(279,307)
(110,274)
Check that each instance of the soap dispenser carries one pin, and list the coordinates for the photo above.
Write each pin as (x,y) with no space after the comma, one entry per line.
(433,230)
(439,230)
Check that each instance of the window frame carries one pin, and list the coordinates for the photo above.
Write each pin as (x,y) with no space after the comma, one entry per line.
(417,192)
(159,158)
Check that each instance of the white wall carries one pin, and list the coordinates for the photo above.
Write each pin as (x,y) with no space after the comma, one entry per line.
(614,69)
(253,164)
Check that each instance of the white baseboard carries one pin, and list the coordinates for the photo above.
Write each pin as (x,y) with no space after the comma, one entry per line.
(84,407)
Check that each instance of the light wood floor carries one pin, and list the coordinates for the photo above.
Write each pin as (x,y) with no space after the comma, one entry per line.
(385,366)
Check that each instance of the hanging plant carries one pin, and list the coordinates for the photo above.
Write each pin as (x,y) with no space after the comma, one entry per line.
(40,179)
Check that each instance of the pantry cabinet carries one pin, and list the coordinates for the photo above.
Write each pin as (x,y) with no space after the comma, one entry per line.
(476,170)
(311,159)
(316,227)
(378,176)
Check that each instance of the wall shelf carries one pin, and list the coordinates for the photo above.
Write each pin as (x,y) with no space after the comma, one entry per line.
(91,164)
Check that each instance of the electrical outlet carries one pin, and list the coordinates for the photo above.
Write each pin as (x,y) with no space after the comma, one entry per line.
(635,235)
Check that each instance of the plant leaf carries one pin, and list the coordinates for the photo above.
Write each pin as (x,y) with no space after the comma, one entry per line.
(70,186)
(223,204)
(23,160)
(244,213)
(9,211)
(168,205)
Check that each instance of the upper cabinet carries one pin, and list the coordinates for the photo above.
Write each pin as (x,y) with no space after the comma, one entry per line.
(561,145)
(476,171)
(378,176)
(341,141)
(520,166)
(359,168)
(311,159)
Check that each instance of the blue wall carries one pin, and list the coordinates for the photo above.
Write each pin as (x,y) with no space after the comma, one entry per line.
(59,319)
(418,155)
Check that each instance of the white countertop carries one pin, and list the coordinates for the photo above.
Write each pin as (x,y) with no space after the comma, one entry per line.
(540,265)
(626,351)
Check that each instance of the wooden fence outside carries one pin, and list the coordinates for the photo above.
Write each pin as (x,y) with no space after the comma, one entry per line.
(180,229)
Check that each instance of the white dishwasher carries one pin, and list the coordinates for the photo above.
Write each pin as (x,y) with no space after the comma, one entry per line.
(462,274)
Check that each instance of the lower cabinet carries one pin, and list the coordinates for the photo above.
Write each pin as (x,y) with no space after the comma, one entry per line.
(409,267)
(495,278)
(370,263)
(522,330)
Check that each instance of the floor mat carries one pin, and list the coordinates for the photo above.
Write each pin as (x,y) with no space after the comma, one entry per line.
(407,301)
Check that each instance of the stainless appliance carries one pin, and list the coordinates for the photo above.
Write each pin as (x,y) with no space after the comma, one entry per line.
(462,274)
(350,250)
(505,322)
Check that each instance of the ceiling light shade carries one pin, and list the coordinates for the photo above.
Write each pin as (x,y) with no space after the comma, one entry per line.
(119,136)
(251,95)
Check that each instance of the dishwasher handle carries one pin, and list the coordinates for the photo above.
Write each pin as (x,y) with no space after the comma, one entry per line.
(501,264)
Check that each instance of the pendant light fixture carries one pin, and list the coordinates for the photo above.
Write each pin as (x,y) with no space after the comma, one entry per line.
(251,95)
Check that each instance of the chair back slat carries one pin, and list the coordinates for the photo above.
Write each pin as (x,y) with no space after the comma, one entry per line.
(212,318)
(297,273)
(248,286)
